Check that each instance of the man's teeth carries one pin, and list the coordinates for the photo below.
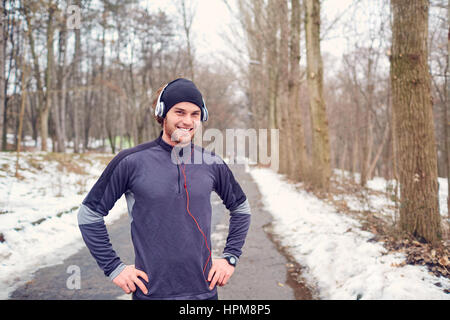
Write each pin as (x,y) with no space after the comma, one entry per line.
(184,129)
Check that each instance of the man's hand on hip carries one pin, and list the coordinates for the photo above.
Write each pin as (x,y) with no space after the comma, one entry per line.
(220,273)
(128,279)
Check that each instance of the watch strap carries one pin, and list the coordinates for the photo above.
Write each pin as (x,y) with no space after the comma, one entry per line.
(231,258)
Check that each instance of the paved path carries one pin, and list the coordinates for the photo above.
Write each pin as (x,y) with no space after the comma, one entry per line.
(262,272)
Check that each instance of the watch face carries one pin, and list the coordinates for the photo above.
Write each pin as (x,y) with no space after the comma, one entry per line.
(233,260)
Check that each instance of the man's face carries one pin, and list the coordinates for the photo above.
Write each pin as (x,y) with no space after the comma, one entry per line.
(180,123)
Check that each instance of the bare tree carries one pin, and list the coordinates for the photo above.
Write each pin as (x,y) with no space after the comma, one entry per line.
(412,108)
(3,39)
(187,11)
(286,145)
(300,165)
(76,100)
(61,70)
(45,86)
(320,138)
(446,106)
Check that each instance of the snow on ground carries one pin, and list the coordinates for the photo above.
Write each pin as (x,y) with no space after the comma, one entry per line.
(29,143)
(384,205)
(338,257)
(38,215)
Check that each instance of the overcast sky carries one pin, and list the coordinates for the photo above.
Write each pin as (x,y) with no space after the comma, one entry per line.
(212,19)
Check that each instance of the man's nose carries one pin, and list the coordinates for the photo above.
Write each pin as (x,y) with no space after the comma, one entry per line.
(188,120)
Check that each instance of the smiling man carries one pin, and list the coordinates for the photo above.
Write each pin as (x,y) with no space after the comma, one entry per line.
(179,126)
(169,207)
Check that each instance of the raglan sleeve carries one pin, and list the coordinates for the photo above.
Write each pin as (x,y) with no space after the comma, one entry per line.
(112,183)
(237,203)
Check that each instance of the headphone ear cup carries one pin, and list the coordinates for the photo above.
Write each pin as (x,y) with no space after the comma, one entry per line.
(205,112)
(159,110)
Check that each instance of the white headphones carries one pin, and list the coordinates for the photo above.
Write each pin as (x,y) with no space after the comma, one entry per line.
(159,109)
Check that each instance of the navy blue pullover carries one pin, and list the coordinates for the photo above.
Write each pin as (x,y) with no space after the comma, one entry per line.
(168,245)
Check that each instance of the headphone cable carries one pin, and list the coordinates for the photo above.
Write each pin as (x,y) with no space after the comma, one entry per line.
(189,212)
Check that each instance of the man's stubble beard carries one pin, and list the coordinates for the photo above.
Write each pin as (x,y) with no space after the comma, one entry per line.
(171,133)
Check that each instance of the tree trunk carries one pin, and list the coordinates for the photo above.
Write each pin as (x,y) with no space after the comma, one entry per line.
(253,16)
(22,111)
(102,107)
(367,132)
(300,164)
(271,28)
(343,157)
(355,150)
(111,139)
(188,18)
(77,93)
(286,155)
(57,125)
(412,106)
(36,68)
(60,115)
(7,32)
(88,102)
(45,111)
(388,173)
(319,124)
(272,66)
(33,116)
(446,119)
(43,122)
(2,68)
(372,165)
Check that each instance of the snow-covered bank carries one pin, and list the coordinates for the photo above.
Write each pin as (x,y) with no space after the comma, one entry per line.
(38,214)
(384,205)
(340,259)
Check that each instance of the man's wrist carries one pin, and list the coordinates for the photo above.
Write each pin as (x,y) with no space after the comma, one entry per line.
(117,271)
(231,259)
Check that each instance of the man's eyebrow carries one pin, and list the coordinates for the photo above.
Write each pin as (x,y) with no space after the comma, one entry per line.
(181,109)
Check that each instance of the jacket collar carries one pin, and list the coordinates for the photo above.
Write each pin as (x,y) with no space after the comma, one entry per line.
(168,147)
(164,144)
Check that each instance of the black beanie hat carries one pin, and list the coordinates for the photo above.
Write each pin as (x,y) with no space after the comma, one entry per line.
(181,90)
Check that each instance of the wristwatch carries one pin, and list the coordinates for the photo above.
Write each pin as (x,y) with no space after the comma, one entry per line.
(231,260)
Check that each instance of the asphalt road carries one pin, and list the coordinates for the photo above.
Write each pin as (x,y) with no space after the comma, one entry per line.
(264,272)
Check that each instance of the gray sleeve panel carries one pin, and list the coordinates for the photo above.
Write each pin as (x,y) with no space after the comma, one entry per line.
(237,232)
(243,208)
(129,196)
(117,270)
(87,216)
